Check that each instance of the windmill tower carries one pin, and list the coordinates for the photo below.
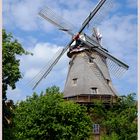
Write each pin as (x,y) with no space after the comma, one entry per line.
(88,76)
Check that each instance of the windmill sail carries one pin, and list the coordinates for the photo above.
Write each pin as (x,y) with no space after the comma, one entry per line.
(49,15)
(102,14)
(68,27)
(46,69)
(91,15)
(57,20)
(115,70)
(94,45)
(109,56)
(116,67)
(90,42)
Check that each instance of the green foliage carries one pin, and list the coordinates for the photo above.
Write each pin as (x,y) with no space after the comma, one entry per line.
(113,136)
(119,121)
(50,117)
(10,64)
(52,90)
(10,75)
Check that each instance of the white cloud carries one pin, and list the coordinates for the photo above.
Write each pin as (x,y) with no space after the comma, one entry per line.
(24,14)
(43,53)
(31,72)
(119,33)
(15,94)
(31,65)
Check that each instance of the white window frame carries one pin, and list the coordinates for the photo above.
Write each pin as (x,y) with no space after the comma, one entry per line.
(96,128)
(94,90)
(74,81)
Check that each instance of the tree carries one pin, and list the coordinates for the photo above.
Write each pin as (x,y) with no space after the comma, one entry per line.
(10,75)
(118,121)
(50,117)
(8,107)
(10,64)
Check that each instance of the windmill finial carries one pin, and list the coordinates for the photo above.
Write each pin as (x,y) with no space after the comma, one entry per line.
(96,34)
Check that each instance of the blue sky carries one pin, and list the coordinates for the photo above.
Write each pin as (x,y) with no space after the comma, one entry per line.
(118,27)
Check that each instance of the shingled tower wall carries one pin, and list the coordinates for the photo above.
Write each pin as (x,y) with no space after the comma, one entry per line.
(88,75)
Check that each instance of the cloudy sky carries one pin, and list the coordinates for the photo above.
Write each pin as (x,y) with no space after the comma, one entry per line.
(117,24)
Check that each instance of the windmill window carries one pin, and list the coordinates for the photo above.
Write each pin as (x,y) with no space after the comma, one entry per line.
(74,81)
(93,90)
(107,81)
(91,60)
(96,128)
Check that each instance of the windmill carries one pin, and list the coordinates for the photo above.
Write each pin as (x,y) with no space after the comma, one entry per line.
(90,63)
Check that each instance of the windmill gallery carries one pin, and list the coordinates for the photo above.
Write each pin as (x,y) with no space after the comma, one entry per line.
(90,63)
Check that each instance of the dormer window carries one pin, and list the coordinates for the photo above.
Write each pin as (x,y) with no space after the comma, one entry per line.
(108,81)
(91,59)
(74,81)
